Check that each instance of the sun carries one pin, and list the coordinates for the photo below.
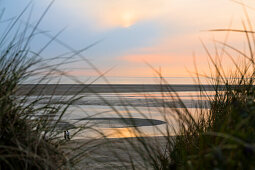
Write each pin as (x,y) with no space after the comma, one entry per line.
(127,19)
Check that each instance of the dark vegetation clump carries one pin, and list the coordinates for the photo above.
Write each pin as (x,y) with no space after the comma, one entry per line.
(224,136)
(226,139)
(23,145)
(30,132)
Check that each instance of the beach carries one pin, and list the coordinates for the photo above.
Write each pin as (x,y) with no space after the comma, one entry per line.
(115,153)
(110,84)
(116,110)
(116,117)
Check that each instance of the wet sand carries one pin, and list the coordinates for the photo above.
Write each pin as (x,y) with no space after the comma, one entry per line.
(111,153)
(114,153)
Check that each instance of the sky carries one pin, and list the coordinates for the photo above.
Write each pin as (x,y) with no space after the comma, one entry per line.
(134,35)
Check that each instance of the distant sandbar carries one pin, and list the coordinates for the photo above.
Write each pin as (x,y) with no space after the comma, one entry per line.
(72,89)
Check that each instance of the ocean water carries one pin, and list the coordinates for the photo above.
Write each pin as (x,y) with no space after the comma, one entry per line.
(117,115)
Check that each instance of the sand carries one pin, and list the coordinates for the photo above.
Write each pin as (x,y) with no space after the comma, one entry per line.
(114,153)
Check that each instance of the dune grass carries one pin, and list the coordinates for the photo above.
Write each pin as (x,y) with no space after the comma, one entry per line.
(221,137)
(22,142)
(31,132)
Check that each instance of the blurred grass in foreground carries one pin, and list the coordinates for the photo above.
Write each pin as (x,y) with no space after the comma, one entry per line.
(31,133)
(222,137)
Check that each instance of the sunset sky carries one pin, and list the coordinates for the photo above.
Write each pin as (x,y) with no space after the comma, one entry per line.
(163,33)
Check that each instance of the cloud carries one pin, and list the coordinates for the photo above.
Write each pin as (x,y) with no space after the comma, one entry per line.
(115,13)
(135,37)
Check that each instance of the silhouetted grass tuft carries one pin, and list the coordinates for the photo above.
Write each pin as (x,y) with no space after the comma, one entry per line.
(31,132)
(221,137)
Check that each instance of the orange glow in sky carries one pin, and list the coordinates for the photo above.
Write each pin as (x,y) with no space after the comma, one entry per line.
(179,25)
(164,33)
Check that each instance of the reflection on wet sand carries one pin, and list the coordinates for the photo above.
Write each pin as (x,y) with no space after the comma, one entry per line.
(120,132)
(117,133)
(119,127)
